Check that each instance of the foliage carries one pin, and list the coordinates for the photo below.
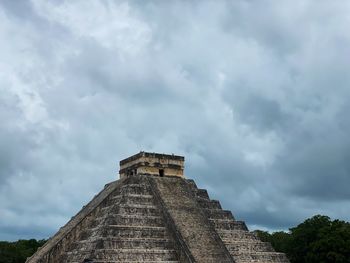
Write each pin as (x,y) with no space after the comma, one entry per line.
(279,240)
(17,252)
(316,240)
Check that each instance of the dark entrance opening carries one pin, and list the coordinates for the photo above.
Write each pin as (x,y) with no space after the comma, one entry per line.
(161,172)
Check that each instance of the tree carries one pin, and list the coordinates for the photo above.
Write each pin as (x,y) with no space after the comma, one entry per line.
(17,252)
(279,240)
(316,240)
(320,240)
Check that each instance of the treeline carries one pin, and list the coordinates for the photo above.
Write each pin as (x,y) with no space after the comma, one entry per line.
(316,240)
(17,252)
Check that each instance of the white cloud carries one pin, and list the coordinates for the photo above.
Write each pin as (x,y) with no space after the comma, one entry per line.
(109,23)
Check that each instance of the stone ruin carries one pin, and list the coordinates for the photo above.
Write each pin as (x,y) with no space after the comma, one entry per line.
(154,214)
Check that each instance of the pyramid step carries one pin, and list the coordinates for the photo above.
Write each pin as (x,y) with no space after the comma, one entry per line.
(151,206)
(232,235)
(109,207)
(112,200)
(261,257)
(209,204)
(85,234)
(129,198)
(120,208)
(240,247)
(134,231)
(75,256)
(228,224)
(111,242)
(116,192)
(135,189)
(98,221)
(139,210)
(133,243)
(219,214)
(191,183)
(140,255)
(137,199)
(201,193)
(134,220)
(132,195)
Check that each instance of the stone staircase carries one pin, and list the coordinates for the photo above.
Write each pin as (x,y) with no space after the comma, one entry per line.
(127,228)
(244,246)
(192,225)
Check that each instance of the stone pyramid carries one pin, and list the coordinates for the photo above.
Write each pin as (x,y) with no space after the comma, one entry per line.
(153,214)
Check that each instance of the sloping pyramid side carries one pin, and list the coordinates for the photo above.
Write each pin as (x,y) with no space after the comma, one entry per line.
(244,246)
(154,219)
(121,224)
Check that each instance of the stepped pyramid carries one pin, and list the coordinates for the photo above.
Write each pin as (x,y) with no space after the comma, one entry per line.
(153,214)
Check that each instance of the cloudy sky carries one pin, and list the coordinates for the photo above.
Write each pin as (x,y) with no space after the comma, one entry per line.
(254,93)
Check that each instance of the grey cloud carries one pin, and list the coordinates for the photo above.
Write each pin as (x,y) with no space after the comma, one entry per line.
(262,113)
(256,103)
(20,8)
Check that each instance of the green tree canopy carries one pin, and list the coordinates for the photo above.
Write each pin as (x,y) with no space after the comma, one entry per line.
(17,252)
(316,240)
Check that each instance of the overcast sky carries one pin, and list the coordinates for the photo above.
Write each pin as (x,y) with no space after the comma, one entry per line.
(255,95)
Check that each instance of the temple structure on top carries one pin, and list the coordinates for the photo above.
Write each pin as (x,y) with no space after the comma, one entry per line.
(152,164)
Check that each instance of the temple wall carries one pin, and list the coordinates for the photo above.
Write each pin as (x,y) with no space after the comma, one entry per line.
(146,163)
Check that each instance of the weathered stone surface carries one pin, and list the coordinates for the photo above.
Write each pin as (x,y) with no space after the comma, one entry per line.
(244,246)
(152,164)
(145,218)
(192,223)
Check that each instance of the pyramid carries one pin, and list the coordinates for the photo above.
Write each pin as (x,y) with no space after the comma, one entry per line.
(154,214)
